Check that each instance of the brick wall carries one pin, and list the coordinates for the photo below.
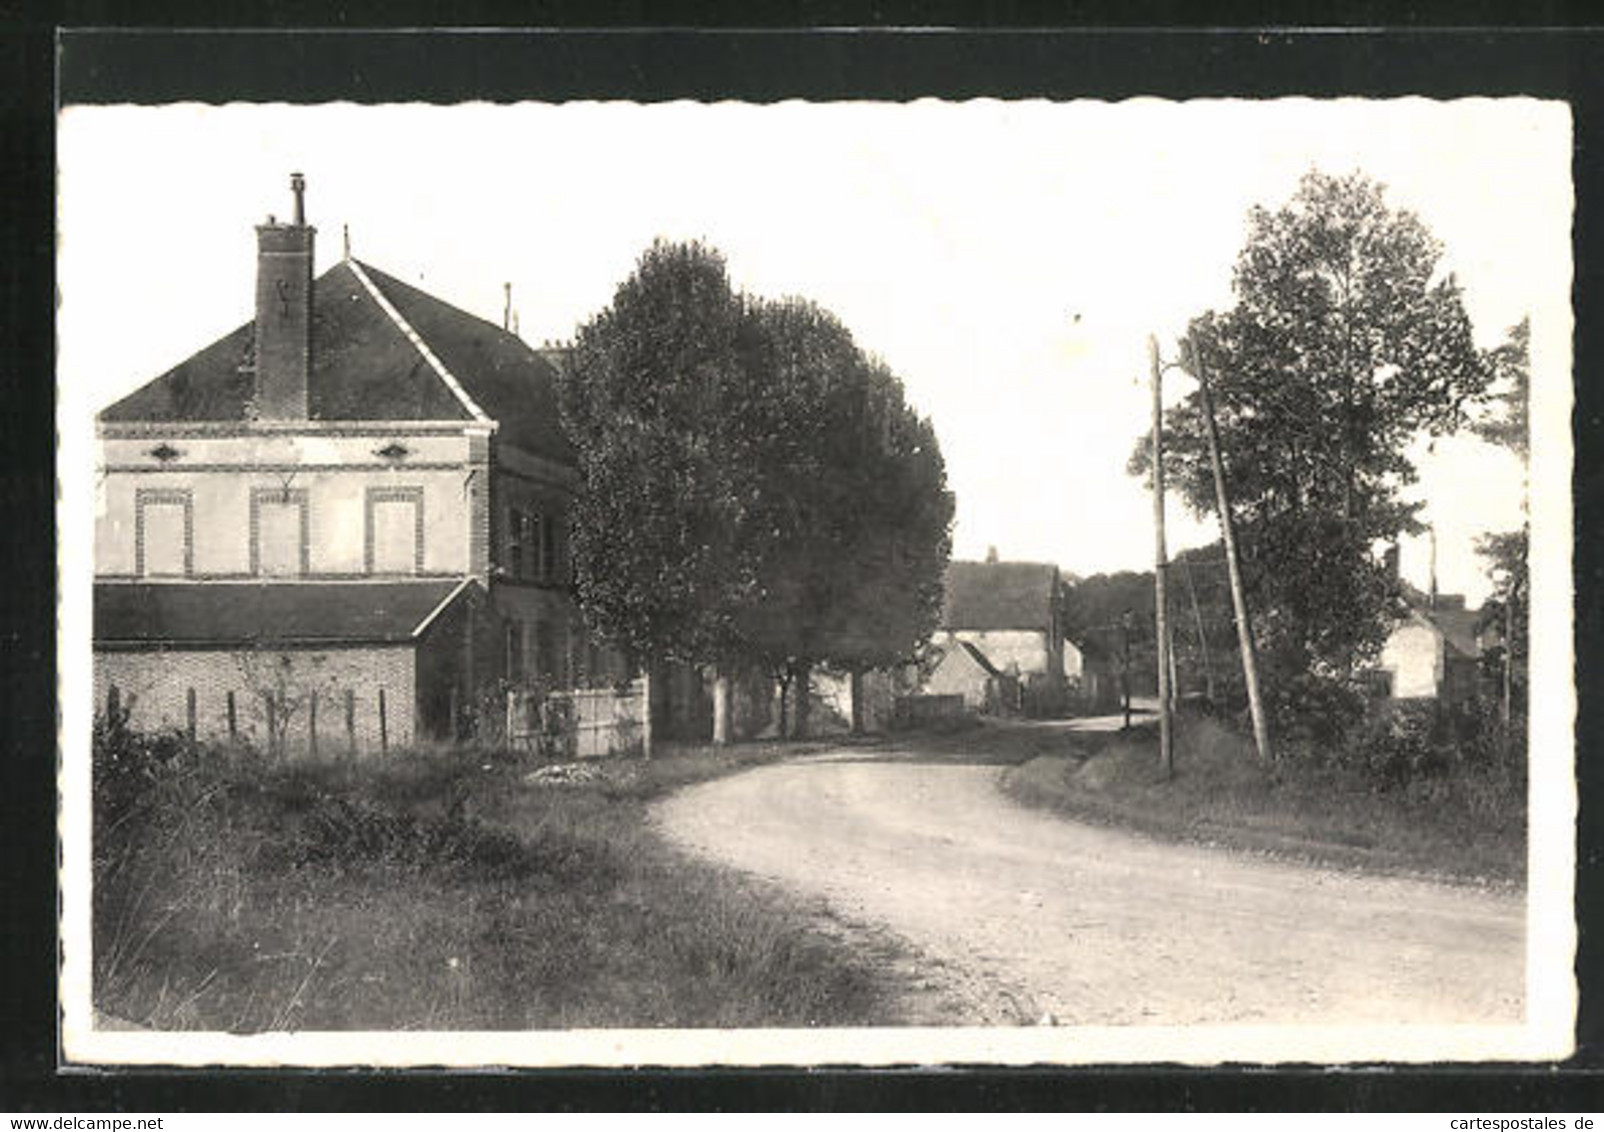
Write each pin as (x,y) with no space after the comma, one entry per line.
(155,686)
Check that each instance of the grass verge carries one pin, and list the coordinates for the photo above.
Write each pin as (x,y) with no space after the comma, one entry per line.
(1221,795)
(442,892)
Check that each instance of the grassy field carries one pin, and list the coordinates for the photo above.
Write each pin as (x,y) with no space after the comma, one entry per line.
(1455,827)
(443,892)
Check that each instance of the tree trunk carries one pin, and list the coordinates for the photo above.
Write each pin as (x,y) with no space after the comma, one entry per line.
(857,701)
(802,698)
(721,708)
(783,723)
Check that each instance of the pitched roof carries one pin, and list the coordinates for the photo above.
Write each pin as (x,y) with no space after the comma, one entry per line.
(1457,626)
(367,366)
(246,614)
(999,595)
(980,658)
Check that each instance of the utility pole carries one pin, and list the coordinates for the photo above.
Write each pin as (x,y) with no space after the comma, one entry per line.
(1202,637)
(1161,561)
(1244,627)
(1175,670)
(1125,664)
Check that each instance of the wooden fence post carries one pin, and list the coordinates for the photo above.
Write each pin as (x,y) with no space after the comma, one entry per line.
(384,728)
(350,722)
(233,723)
(189,711)
(311,725)
(113,705)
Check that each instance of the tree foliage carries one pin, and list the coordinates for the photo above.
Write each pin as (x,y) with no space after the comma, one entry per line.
(1345,344)
(1506,552)
(1510,363)
(756,490)
(654,399)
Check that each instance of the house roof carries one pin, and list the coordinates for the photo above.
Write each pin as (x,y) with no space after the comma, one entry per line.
(980,658)
(1457,627)
(135,615)
(999,595)
(381,350)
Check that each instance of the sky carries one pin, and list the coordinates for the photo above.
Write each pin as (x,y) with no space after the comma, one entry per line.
(1008,260)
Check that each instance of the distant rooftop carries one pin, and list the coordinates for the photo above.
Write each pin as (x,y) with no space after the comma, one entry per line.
(999,595)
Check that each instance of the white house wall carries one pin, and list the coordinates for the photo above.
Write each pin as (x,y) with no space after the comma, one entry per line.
(1026,648)
(335,469)
(1413,655)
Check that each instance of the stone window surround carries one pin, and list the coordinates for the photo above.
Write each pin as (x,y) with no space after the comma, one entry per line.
(296,495)
(392,494)
(161,496)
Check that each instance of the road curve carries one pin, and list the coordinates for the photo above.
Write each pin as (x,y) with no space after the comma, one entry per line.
(1026,914)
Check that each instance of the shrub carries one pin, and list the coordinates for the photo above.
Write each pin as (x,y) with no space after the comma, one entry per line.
(1316,709)
(127,765)
(1398,743)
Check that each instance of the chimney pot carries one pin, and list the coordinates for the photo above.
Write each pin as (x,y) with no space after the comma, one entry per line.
(298,187)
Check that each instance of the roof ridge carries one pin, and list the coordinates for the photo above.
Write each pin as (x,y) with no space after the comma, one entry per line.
(432,297)
(417,341)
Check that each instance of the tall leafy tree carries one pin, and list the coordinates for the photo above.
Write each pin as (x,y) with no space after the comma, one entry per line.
(899,521)
(655,400)
(1346,342)
(853,516)
(1506,552)
(754,489)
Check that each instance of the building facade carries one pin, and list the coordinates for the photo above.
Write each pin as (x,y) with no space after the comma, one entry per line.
(345,522)
(1011,615)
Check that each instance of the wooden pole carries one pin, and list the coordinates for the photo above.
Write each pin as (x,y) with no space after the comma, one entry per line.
(350,723)
(1125,664)
(1202,636)
(384,726)
(1175,672)
(189,708)
(1161,562)
(311,725)
(233,720)
(1244,627)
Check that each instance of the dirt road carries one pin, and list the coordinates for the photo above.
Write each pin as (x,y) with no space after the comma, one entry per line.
(1022,914)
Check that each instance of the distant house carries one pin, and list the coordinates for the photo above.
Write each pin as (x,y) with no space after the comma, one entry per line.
(1011,616)
(1433,652)
(352,510)
(963,670)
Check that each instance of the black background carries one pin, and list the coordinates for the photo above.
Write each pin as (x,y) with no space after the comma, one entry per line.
(1003,51)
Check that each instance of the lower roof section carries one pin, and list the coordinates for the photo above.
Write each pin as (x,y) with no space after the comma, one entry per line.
(217,615)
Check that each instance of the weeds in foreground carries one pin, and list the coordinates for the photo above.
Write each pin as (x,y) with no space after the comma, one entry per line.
(433,891)
(1467,821)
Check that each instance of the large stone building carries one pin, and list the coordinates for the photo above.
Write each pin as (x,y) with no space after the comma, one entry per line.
(358,498)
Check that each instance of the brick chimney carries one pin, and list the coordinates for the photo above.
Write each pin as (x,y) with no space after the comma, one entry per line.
(284,313)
